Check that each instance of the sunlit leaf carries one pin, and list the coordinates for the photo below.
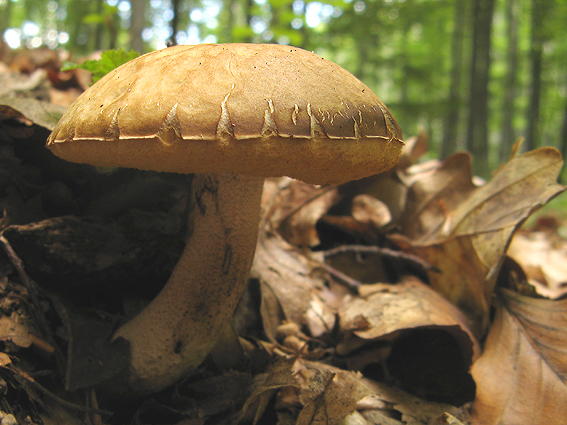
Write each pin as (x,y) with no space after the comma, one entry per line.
(110,59)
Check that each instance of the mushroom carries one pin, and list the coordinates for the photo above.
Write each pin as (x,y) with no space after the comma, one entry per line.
(233,114)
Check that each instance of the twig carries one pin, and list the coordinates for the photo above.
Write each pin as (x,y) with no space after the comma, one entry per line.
(35,309)
(387,252)
(71,406)
(348,281)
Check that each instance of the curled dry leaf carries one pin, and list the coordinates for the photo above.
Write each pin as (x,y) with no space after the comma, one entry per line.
(522,374)
(300,206)
(15,332)
(376,402)
(464,230)
(543,260)
(414,337)
(434,194)
(333,397)
(415,148)
(289,291)
(31,110)
(386,187)
(368,210)
(387,309)
(280,375)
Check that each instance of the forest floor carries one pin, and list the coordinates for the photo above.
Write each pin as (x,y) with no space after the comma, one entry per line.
(419,296)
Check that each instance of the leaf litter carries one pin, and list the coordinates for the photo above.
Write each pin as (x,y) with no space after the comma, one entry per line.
(401,332)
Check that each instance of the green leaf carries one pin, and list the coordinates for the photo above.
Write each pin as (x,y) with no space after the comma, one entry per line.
(109,60)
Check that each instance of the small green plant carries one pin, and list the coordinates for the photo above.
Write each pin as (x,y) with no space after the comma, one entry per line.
(109,60)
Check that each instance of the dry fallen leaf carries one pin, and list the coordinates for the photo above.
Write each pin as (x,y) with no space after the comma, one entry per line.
(464,230)
(31,110)
(289,291)
(434,194)
(300,206)
(521,376)
(280,375)
(334,397)
(543,260)
(415,148)
(367,209)
(413,336)
(405,305)
(15,332)
(380,404)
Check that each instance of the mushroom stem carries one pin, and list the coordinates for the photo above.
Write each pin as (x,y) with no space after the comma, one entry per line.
(171,337)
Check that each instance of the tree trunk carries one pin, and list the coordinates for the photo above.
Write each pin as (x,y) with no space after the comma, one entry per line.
(99,29)
(248,6)
(174,23)
(451,127)
(563,140)
(508,134)
(137,22)
(477,134)
(536,57)
(227,14)
(6,16)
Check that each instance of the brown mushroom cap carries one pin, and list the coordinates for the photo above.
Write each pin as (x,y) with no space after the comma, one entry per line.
(264,110)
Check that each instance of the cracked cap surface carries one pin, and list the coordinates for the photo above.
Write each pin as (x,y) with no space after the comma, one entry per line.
(254,109)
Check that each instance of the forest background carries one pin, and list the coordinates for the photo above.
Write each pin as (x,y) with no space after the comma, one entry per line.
(474,74)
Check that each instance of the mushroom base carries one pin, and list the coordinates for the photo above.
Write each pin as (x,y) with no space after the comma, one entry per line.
(172,336)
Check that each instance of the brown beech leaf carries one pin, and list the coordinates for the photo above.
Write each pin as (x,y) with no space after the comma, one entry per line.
(434,193)
(280,375)
(544,261)
(414,336)
(367,209)
(385,187)
(300,206)
(406,305)
(522,374)
(289,290)
(373,402)
(35,111)
(334,397)
(11,330)
(464,230)
(415,148)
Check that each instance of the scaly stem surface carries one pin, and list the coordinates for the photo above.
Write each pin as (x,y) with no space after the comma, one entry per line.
(171,337)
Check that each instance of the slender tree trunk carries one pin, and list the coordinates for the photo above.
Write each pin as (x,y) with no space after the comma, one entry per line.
(536,57)
(563,140)
(508,135)
(451,127)
(6,16)
(137,22)
(228,21)
(113,24)
(174,22)
(304,29)
(404,62)
(361,67)
(99,29)
(477,134)
(248,5)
